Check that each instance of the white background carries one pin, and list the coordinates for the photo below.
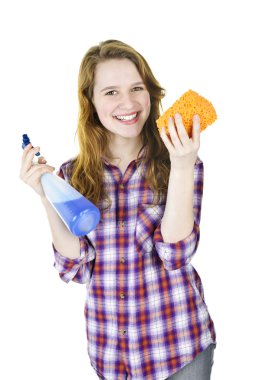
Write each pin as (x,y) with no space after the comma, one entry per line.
(202,45)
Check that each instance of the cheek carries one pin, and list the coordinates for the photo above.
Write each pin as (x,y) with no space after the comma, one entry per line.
(105,113)
(147,103)
(104,110)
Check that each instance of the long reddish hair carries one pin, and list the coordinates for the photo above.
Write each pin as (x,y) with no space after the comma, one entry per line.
(87,168)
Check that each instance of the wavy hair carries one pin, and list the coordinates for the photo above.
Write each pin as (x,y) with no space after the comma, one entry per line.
(87,171)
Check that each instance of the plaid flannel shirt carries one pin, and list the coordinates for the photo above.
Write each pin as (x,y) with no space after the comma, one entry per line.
(145,311)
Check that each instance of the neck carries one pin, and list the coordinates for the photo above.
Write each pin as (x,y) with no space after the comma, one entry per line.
(124,150)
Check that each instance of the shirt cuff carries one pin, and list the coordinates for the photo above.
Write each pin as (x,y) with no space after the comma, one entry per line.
(176,255)
(79,269)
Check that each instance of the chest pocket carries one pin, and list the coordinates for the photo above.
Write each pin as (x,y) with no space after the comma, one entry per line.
(148,219)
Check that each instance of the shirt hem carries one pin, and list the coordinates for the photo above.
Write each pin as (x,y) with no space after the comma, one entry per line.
(123,376)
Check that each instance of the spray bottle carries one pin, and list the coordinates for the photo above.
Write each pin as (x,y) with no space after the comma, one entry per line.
(78,213)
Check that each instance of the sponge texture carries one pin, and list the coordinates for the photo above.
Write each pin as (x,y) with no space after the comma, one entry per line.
(188,105)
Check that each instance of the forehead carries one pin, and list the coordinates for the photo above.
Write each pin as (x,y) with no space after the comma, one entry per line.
(116,72)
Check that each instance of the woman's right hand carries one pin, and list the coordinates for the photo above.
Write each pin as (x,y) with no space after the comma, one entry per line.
(30,173)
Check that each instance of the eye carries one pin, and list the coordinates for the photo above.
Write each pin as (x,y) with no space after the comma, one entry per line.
(110,92)
(139,88)
(134,89)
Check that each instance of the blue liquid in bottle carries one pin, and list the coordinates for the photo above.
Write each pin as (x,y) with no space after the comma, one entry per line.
(79,214)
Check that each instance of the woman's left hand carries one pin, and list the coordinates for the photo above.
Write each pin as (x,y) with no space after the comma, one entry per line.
(183,149)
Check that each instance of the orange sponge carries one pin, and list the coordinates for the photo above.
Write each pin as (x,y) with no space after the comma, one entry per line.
(188,105)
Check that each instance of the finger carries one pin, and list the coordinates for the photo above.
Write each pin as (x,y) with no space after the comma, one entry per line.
(27,160)
(173,135)
(196,131)
(183,135)
(26,149)
(34,180)
(30,155)
(39,169)
(36,171)
(166,140)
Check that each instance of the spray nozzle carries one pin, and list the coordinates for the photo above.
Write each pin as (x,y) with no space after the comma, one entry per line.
(27,141)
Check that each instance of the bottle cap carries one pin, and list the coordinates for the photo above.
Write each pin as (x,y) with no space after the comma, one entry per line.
(27,141)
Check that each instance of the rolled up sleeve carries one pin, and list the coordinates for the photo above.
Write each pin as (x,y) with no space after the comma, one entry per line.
(78,270)
(178,254)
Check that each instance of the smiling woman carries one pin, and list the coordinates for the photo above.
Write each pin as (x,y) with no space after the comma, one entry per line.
(150,202)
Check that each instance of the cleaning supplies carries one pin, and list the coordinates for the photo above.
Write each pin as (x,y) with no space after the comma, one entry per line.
(78,213)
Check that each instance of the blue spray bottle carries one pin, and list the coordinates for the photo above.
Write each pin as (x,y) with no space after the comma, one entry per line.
(79,215)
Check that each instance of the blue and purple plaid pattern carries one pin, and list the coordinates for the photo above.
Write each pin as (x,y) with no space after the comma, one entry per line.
(146,316)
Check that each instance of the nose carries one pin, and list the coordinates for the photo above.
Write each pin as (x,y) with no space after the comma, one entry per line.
(126,101)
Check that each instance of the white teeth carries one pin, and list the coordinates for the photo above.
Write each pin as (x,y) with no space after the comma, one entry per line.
(130,117)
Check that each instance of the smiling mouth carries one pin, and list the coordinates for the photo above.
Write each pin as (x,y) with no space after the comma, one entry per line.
(127,117)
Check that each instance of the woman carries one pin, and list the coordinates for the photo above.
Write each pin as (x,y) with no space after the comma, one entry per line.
(146,317)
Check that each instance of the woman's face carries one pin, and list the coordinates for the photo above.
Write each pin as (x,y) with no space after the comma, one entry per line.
(120,97)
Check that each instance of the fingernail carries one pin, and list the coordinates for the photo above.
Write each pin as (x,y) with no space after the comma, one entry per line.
(196,117)
(27,146)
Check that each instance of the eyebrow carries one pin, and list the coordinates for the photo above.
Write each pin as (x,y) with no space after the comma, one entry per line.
(110,87)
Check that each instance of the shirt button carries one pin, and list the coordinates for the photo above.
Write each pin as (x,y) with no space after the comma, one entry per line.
(122,223)
(122,296)
(122,332)
(122,259)
(122,186)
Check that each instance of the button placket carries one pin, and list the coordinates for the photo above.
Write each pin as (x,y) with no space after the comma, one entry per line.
(122,219)
(121,222)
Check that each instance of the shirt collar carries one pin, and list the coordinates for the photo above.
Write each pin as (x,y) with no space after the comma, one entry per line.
(142,155)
